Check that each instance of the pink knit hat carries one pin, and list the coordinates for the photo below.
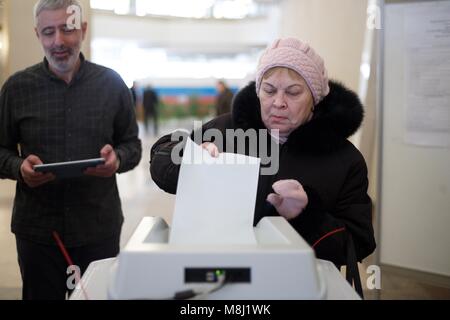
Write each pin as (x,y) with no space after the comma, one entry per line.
(300,57)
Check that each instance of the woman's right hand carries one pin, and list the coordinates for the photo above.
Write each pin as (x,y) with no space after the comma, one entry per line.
(211,148)
(289,199)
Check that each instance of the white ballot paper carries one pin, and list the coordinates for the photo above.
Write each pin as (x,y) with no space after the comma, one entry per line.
(215,198)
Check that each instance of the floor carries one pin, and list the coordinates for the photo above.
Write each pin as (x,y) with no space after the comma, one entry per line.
(141,197)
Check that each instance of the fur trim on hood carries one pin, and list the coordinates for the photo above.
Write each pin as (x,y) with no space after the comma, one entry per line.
(336,117)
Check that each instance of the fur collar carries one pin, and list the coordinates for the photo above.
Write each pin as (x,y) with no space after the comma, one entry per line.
(336,117)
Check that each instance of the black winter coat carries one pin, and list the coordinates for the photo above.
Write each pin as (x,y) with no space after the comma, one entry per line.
(318,155)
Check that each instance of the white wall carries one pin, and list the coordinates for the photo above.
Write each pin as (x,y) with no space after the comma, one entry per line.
(2,41)
(334,28)
(415,212)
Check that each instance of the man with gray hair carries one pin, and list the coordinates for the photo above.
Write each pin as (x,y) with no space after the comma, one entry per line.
(65,109)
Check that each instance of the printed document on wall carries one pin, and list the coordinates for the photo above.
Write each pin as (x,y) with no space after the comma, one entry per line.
(427,74)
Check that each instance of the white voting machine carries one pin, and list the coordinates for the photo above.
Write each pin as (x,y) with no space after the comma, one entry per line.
(211,250)
(280,266)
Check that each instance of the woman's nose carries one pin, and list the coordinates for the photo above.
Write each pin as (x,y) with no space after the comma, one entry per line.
(280,101)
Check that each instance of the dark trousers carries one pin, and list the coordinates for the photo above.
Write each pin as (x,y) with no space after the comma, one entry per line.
(151,116)
(44,269)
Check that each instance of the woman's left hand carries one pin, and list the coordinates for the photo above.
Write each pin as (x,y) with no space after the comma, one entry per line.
(211,148)
(290,199)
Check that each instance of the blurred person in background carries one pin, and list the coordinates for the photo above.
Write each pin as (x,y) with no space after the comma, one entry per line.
(224,98)
(151,103)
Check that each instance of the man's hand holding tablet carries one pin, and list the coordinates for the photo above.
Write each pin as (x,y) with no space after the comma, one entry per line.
(109,168)
(31,177)
(35,173)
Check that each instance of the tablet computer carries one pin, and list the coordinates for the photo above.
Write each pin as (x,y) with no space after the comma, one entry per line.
(69,169)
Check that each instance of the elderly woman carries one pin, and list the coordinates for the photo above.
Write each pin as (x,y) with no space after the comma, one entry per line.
(321,184)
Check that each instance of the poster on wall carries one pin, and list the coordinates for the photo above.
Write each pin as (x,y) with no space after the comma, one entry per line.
(427,74)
